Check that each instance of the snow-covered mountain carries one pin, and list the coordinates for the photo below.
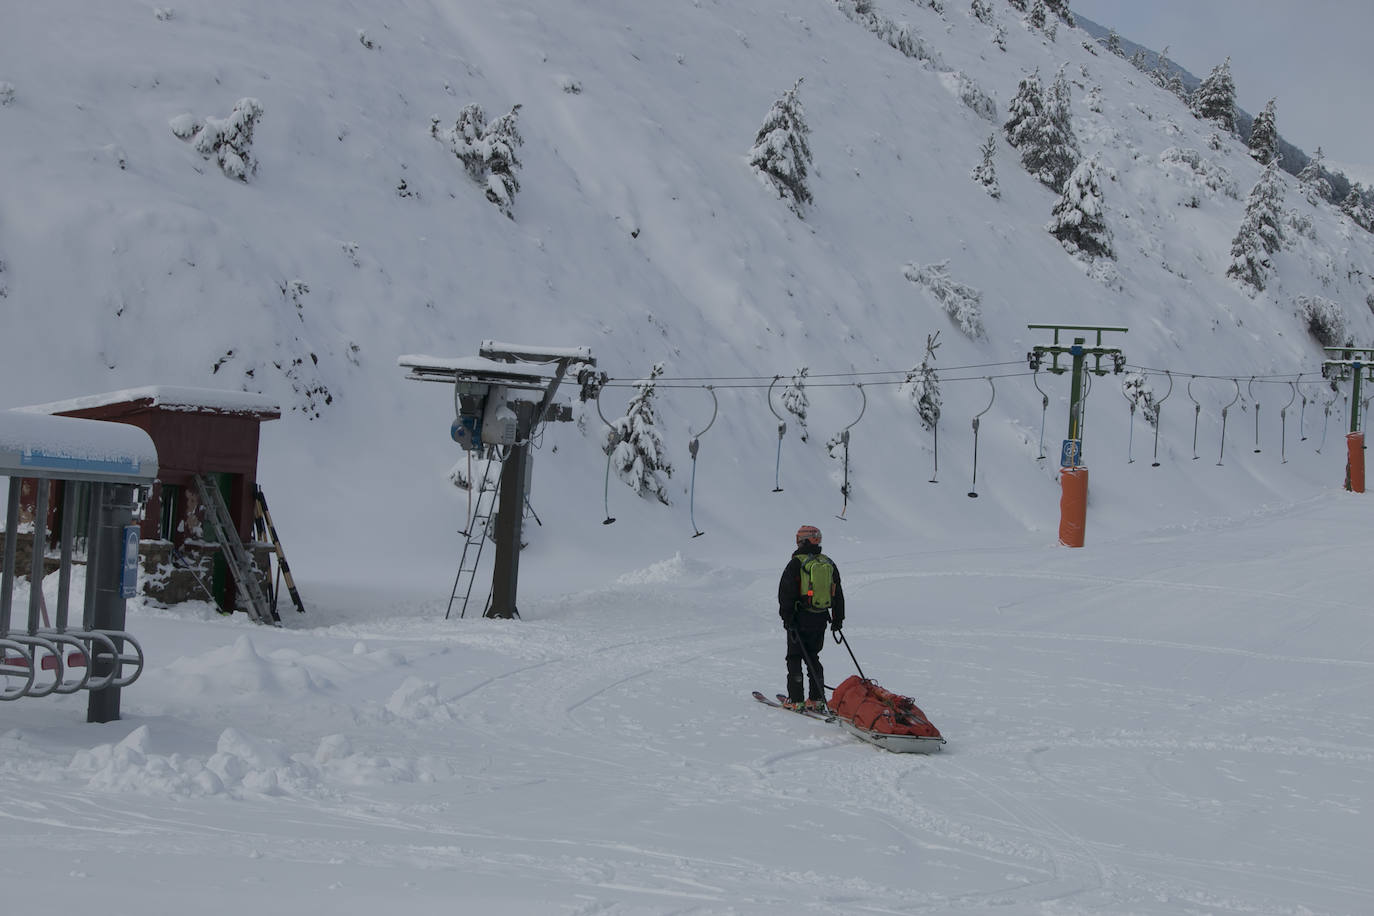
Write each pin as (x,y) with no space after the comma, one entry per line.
(352,235)
(641,232)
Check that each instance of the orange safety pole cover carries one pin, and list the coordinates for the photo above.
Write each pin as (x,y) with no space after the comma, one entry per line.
(1073,506)
(1354,462)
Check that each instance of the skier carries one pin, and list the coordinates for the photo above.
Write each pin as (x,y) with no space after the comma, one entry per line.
(809,597)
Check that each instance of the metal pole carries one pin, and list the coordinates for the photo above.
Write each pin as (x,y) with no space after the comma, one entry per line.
(11,547)
(509,515)
(115,511)
(1355,399)
(1076,389)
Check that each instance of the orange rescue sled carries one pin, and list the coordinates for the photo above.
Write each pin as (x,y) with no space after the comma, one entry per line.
(889,720)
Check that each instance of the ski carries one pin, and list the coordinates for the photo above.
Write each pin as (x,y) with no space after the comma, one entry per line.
(898,744)
(809,713)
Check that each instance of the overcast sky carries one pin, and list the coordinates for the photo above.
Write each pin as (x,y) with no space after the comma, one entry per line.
(1312,55)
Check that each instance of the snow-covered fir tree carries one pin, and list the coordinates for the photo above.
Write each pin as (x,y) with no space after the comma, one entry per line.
(1264,135)
(1114,44)
(1025,111)
(1038,15)
(1355,207)
(1215,98)
(228,141)
(1061,9)
(1313,179)
(781,155)
(985,172)
(795,401)
(1325,320)
(487,151)
(982,11)
(1260,233)
(1018,4)
(1078,220)
(961,302)
(1136,387)
(1040,127)
(635,447)
(923,385)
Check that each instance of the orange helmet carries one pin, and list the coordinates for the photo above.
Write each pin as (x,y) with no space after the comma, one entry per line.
(808,533)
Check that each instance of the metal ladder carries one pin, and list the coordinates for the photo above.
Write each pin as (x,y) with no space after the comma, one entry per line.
(476,535)
(239,562)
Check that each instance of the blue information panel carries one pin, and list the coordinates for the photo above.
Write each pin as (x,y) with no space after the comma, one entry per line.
(1071,455)
(128,562)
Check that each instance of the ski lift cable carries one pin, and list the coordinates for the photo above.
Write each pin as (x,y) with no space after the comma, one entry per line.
(844,440)
(1159,409)
(692,446)
(1283,422)
(782,431)
(1222,453)
(1130,440)
(973,491)
(1044,409)
(1197,413)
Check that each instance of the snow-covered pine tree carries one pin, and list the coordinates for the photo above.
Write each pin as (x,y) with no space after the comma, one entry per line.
(1061,9)
(229,141)
(1041,127)
(1313,179)
(1354,207)
(1325,320)
(985,172)
(923,385)
(1025,111)
(1136,387)
(1018,4)
(1037,15)
(1114,44)
(1264,135)
(1215,98)
(960,301)
(1078,220)
(487,151)
(635,447)
(795,401)
(781,155)
(981,10)
(1260,233)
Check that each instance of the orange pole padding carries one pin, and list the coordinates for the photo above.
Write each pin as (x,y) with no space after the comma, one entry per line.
(1354,462)
(1073,506)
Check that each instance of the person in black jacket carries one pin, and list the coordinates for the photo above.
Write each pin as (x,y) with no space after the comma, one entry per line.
(805,615)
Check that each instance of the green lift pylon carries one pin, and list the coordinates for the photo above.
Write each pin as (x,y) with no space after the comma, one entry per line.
(1355,364)
(1071,454)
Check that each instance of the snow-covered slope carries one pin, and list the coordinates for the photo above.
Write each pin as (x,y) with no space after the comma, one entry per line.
(640,232)
(1171,720)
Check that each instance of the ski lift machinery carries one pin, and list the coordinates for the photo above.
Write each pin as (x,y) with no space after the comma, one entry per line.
(501,397)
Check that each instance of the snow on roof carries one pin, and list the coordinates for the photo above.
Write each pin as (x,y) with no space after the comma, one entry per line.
(69,448)
(583,354)
(166,397)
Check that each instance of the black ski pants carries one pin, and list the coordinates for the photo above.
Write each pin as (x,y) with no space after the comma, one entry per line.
(804,643)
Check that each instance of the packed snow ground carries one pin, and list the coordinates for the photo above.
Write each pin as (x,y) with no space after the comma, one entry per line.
(1179,723)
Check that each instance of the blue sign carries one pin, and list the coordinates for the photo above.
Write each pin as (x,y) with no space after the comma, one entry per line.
(1071,455)
(128,561)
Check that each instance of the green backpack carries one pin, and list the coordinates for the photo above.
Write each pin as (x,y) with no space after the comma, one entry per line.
(817,581)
